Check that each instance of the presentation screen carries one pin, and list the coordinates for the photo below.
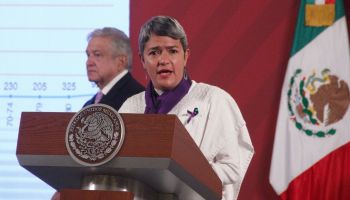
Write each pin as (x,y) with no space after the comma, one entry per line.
(42,54)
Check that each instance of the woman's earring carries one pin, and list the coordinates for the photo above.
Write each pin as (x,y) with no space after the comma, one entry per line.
(185,74)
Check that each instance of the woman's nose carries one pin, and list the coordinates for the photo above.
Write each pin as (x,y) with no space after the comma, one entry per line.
(164,58)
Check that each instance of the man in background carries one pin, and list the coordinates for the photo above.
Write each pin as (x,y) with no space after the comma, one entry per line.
(109,59)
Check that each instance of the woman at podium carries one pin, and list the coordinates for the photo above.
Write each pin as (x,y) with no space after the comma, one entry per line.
(210,115)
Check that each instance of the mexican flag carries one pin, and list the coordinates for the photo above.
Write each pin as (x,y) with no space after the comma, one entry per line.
(311,153)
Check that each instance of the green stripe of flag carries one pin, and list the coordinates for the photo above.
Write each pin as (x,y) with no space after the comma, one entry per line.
(304,34)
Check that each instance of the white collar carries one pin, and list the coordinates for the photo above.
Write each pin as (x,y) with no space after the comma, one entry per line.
(109,86)
(159,92)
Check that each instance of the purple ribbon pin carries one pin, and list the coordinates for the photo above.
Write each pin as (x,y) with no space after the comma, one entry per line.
(192,114)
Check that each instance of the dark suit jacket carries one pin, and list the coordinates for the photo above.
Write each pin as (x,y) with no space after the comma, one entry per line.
(126,87)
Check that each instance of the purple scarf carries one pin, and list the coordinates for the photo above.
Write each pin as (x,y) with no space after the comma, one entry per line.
(165,102)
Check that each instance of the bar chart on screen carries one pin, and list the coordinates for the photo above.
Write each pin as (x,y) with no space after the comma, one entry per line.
(41,92)
(42,69)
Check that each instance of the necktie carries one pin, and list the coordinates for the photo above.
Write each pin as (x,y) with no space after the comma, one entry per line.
(98,97)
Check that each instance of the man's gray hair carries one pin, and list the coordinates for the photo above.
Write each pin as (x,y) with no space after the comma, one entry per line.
(162,26)
(120,41)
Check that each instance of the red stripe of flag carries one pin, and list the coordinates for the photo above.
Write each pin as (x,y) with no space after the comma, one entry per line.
(330,1)
(328,179)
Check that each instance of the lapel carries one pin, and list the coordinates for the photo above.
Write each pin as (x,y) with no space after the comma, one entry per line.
(120,85)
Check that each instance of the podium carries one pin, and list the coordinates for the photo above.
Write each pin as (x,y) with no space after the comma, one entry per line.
(157,152)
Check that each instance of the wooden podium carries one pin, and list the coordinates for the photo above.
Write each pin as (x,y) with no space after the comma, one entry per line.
(157,151)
